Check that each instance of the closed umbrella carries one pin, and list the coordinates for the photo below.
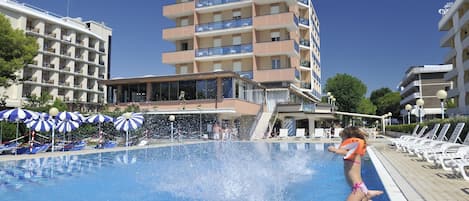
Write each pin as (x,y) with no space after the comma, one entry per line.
(128,121)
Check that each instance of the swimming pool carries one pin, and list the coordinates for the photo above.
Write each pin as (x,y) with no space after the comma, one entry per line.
(206,171)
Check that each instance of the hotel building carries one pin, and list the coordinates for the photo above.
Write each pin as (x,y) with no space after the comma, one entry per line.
(423,82)
(455,22)
(240,61)
(273,42)
(73,56)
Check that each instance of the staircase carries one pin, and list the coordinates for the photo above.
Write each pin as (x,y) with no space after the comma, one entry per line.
(262,126)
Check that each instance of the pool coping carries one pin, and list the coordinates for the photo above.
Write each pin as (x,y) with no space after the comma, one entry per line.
(397,187)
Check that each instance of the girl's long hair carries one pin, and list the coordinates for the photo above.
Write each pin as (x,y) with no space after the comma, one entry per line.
(353,131)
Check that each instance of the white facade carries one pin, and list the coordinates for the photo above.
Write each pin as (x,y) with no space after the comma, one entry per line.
(455,22)
(73,56)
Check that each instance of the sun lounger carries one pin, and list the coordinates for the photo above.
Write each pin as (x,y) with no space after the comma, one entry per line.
(411,140)
(424,143)
(403,137)
(283,133)
(445,150)
(300,133)
(454,137)
(142,143)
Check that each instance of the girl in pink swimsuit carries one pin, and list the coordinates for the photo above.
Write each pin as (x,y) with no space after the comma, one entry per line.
(353,147)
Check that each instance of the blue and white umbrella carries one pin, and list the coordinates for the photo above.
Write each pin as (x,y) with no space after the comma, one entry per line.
(67,116)
(17,115)
(81,118)
(67,126)
(99,119)
(41,124)
(128,121)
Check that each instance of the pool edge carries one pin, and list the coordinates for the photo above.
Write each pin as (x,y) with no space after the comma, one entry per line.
(392,188)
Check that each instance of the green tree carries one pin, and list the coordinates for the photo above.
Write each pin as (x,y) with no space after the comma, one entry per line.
(389,103)
(366,107)
(16,50)
(376,94)
(347,90)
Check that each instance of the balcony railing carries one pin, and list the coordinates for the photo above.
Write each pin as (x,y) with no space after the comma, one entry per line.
(304,21)
(305,63)
(246,74)
(304,42)
(207,3)
(226,50)
(305,85)
(305,2)
(228,24)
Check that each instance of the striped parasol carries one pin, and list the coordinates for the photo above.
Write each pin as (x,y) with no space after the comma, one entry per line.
(128,121)
(41,124)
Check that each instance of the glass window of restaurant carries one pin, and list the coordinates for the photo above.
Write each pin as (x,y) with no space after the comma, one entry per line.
(155,92)
(227,88)
(189,88)
(174,90)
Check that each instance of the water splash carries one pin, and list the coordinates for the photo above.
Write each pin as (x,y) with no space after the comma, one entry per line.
(233,174)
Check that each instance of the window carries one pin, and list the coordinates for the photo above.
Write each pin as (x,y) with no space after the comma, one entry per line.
(189,88)
(184,21)
(183,70)
(275,63)
(236,40)
(173,90)
(237,66)
(217,67)
(274,9)
(201,89)
(275,36)
(184,46)
(155,92)
(236,15)
(227,88)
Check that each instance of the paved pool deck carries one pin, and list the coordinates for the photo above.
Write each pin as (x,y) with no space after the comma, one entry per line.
(417,180)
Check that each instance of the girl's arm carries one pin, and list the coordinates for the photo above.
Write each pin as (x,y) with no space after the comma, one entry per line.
(337,150)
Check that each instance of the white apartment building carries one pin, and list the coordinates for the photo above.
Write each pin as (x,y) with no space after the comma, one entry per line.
(455,22)
(73,56)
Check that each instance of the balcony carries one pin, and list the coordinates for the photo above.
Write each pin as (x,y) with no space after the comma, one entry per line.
(410,98)
(303,2)
(303,21)
(224,27)
(178,33)
(304,42)
(205,6)
(289,2)
(305,85)
(305,63)
(286,47)
(246,74)
(453,93)
(101,49)
(226,52)
(284,74)
(178,57)
(276,21)
(449,57)
(410,86)
(178,10)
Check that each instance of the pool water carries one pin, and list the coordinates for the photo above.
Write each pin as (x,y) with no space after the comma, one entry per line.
(206,171)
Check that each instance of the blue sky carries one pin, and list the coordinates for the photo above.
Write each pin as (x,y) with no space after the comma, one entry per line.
(375,41)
